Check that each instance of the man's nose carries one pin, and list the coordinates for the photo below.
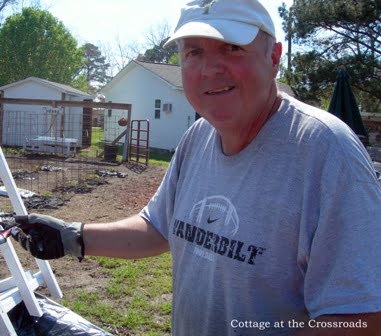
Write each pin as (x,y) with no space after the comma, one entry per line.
(212,66)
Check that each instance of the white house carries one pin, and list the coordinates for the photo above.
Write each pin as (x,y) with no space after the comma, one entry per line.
(156,93)
(25,123)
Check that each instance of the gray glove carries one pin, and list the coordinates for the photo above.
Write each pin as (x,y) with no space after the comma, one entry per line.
(46,237)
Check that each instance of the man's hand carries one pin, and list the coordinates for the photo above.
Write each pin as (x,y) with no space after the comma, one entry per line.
(46,237)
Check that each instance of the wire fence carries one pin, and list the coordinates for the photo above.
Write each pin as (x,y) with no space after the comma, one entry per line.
(50,150)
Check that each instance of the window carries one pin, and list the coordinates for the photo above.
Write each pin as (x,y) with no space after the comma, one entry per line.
(167,107)
(157,108)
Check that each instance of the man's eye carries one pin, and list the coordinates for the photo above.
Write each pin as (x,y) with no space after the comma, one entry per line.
(233,47)
(194,52)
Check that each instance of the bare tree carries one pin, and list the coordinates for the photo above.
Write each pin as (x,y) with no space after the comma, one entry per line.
(108,52)
(119,54)
(4,3)
(157,33)
(15,6)
(125,52)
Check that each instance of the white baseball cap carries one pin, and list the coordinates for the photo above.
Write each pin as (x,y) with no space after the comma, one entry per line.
(233,21)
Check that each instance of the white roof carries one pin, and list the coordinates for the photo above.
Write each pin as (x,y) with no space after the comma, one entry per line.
(60,87)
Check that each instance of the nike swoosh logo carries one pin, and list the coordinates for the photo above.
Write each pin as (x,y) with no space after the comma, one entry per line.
(210,221)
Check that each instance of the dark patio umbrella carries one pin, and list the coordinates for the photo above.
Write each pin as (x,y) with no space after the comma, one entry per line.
(344,106)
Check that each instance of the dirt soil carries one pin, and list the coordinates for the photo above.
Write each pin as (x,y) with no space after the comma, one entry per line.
(118,198)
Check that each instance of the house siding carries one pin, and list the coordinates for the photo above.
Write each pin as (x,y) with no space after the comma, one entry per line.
(141,88)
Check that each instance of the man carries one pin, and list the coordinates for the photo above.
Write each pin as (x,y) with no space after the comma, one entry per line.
(270,208)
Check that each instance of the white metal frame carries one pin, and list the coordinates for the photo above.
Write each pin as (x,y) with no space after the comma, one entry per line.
(21,285)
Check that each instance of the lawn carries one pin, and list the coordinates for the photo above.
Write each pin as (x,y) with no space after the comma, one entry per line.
(138,294)
(97,146)
(137,300)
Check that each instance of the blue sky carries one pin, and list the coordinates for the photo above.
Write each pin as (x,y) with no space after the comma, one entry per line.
(100,21)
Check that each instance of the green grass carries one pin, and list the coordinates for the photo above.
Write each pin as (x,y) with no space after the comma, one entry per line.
(159,159)
(12,150)
(97,135)
(138,295)
(137,300)
(97,146)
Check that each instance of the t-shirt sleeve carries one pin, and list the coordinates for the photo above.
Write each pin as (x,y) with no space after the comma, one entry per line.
(343,272)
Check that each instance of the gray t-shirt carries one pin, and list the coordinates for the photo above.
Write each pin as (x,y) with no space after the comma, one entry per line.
(286,230)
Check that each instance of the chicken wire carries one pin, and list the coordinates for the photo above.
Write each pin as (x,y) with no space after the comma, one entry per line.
(42,170)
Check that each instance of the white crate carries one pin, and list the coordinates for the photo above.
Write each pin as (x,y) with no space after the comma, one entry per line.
(51,145)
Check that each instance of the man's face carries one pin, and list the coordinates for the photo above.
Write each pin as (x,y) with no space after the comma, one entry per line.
(229,85)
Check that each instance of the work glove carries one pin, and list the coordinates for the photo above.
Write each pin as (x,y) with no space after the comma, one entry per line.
(46,237)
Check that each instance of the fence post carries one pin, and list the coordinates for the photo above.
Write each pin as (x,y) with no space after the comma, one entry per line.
(126,147)
(1,117)
(87,124)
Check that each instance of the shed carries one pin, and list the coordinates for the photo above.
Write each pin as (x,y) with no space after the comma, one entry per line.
(156,93)
(25,124)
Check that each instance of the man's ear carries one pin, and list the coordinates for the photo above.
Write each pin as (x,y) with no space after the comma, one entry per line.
(276,54)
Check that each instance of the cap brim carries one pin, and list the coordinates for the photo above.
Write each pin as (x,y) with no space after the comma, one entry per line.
(228,31)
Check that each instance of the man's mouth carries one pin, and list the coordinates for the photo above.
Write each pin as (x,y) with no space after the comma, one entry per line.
(220,90)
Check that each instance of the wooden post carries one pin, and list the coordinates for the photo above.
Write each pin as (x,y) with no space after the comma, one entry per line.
(55,103)
(1,117)
(63,128)
(86,124)
(127,138)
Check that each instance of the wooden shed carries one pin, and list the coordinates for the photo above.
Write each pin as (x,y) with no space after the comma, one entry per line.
(26,125)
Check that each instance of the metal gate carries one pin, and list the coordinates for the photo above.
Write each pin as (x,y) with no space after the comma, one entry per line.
(139,141)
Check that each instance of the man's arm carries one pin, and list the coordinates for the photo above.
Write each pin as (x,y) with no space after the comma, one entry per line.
(370,322)
(130,238)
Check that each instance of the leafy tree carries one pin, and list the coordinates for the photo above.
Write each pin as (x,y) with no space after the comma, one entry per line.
(95,68)
(159,54)
(34,43)
(156,37)
(334,34)
(80,82)
(174,59)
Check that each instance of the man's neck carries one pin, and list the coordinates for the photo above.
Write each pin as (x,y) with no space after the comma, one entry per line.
(234,141)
